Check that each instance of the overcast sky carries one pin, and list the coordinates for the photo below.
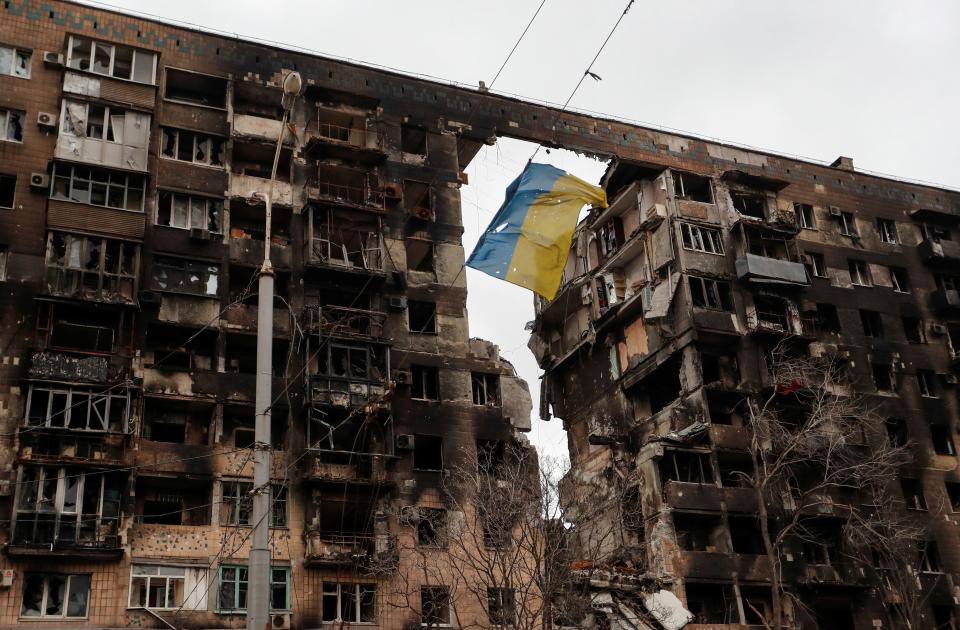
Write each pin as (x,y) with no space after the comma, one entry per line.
(875,80)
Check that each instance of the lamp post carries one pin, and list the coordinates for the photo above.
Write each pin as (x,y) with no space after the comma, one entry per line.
(258,591)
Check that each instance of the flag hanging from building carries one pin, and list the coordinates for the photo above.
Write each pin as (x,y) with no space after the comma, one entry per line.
(528,241)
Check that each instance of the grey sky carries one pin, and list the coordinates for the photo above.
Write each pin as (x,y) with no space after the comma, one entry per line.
(871,79)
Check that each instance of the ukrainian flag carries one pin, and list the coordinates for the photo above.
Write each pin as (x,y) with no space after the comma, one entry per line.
(528,241)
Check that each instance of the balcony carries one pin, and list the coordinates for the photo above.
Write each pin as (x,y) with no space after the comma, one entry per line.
(348,550)
(80,368)
(695,496)
(339,392)
(244,317)
(62,447)
(762,270)
(327,467)
(939,251)
(244,186)
(171,457)
(109,89)
(343,321)
(721,566)
(356,144)
(248,250)
(946,300)
(260,129)
(345,186)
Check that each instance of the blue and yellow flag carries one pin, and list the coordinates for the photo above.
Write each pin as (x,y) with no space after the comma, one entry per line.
(528,242)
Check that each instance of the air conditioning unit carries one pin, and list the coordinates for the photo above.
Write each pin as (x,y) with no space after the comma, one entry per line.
(40,181)
(938,329)
(46,119)
(392,190)
(398,302)
(403,377)
(835,211)
(53,59)
(280,621)
(200,234)
(405,442)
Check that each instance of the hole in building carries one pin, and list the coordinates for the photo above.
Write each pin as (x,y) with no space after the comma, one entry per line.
(417,199)
(699,532)
(425,383)
(692,187)
(194,88)
(428,452)
(419,255)
(176,421)
(239,426)
(745,535)
(432,527)
(686,467)
(663,385)
(8,189)
(422,317)
(180,348)
(165,501)
(413,139)
(749,204)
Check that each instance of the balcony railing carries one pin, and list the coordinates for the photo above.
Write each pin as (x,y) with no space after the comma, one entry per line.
(36,533)
(347,549)
(344,321)
(42,446)
(364,196)
(761,269)
(352,250)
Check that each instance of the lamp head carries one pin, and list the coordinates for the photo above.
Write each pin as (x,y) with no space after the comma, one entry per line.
(292,84)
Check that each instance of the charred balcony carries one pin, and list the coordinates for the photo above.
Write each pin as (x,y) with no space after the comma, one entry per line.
(176,358)
(247,235)
(347,373)
(332,320)
(92,268)
(344,240)
(251,165)
(770,258)
(346,528)
(345,186)
(345,134)
(50,446)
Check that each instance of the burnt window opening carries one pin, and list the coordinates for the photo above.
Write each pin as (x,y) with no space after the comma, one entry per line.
(339,431)
(882,377)
(772,312)
(848,224)
(347,186)
(887,230)
(92,268)
(422,317)
(189,212)
(188,277)
(417,199)
(420,255)
(821,543)
(699,532)
(428,452)
(929,557)
(342,514)
(745,535)
(913,330)
(98,187)
(708,293)
(486,389)
(240,355)
(896,432)
(719,369)
(491,455)
(345,240)
(432,527)
(757,605)
(805,216)
(913,494)
(163,501)
(180,348)
(942,439)
(246,222)
(353,361)
(501,606)
(425,383)
(736,469)
(816,265)
(195,88)
(8,189)
(81,329)
(701,239)
(413,139)
(236,507)
(193,147)
(827,318)
(899,280)
(686,467)
(256,160)
(712,603)
(927,383)
(690,187)
(610,237)
(953,495)
(872,324)
(78,408)
(11,125)
(434,605)
(936,233)
(55,596)
(749,204)
(663,385)
(176,421)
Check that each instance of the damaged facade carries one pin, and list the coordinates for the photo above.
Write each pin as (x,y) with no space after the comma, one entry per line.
(130,239)
(674,296)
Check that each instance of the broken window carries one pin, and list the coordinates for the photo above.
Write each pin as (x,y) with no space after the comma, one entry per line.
(432,527)
(772,312)
(663,385)
(736,469)
(899,280)
(347,185)
(708,293)
(745,535)
(887,229)
(490,456)
(101,122)
(701,239)
(929,560)
(699,532)
(78,408)
(926,383)
(195,88)
(712,603)
(419,255)
(953,495)
(417,199)
(92,268)
(859,273)
(11,125)
(501,606)
(428,452)
(913,330)
(486,389)
(426,382)
(184,276)
(848,224)
(686,467)
(435,605)
(15,62)
(352,361)
(692,187)
(423,317)
(121,62)
(180,423)
(239,427)
(749,204)
(191,146)
(805,216)
(896,432)
(189,212)
(4,255)
(872,324)
(164,501)
(236,508)
(936,233)
(610,237)
(942,440)
(55,595)
(816,265)
(827,318)
(882,377)
(8,189)
(69,507)
(345,240)
(97,187)
(913,494)
(349,603)
(159,587)
(81,330)
(413,139)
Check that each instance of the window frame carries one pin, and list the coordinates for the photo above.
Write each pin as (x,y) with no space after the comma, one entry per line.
(862,274)
(167,578)
(848,224)
(887,231)
(5,113)
(209,204)
(711,289)
(244,586)
(201,268)
(211,139)
(482,384)
(108,280)
(902,284)
(818,265)
(434,590)
(336,589)
(241,498)
(16,52)
(926,383)
(70,407)
(801,211)
(13,198)
(66,595)
(134,55)
(427,379)
(108,184)
(692,234)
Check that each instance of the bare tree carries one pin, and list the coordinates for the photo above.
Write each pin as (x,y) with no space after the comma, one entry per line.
(818,447)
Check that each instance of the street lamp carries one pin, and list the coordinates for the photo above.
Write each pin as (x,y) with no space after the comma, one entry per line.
(258,592)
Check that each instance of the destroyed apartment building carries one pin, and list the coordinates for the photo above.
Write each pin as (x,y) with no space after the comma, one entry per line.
(134,158)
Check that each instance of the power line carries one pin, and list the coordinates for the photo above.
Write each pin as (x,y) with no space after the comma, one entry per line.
(522,35)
